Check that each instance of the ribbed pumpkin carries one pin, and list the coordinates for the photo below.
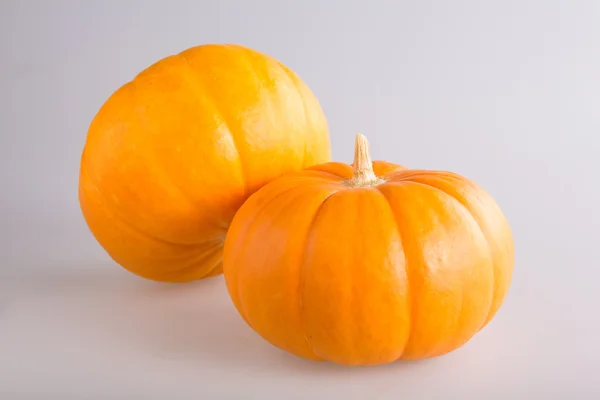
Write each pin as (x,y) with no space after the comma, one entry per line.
(369,263)
(172,154)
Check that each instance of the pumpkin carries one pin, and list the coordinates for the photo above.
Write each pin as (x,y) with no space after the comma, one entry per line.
(368,263)
(173,153)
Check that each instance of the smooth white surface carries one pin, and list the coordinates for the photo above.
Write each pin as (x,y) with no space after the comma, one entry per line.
(506,93)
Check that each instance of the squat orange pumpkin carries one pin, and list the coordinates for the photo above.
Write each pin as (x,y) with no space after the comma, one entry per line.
(368,264)
(173,153)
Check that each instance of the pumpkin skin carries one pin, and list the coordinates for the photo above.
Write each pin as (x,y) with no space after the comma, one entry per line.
(368,266)
(172,154)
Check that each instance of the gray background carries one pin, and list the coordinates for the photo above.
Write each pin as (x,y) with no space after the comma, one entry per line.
(505,92)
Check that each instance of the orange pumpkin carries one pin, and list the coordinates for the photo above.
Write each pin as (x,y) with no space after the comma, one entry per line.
(370,263)
(172,154)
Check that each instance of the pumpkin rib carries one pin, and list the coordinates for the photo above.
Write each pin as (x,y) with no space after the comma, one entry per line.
(435,349)
(261,87)
(154,158)
(301,95)
(207,248)
(459,315)
(348,313)
(444,175)
(402,175)
(167,273)
(301,285)
(326,168)
(263,216)
(410,174)
(248,227)
(101,198)
(236,145)
(193,79)
(250,223)
(410,295)
(218,112)
(488,247)
(203,256)
(317,173)
(181,274)
(383,168)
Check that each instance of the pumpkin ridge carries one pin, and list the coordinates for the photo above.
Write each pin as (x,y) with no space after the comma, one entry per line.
(193,263)
(167,272)
(206,89)
(248,227)
(207,248)
(410,296)
(245,52)
(166,276)
(131,226)
(321,169)
(488,247)
(159,160)
(494,263)
(405,175)
(301,285)
(293,80)
(329,177)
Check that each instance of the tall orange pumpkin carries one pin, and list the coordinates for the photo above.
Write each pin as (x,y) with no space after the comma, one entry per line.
(172,154)
(370,263)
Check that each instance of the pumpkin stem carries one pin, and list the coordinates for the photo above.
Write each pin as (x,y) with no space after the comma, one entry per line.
(362,174)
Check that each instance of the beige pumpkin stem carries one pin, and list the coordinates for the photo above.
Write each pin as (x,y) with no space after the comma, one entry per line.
(362,172)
